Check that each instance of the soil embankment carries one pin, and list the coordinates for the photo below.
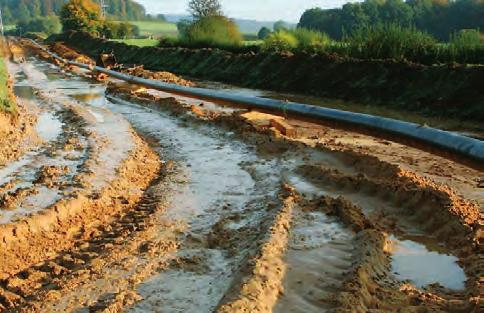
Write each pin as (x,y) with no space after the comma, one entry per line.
(17,117)
(440,90)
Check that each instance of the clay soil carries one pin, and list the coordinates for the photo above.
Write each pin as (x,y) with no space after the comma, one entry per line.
(170,204)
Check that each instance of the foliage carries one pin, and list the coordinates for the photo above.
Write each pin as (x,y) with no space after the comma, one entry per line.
(120,30)
(48,25)
(157,17)
(280,25)
(183,27)
(440,18)
(204,8)
(81,15)
(389,42)
(263,33)
(125,10)
(310,40)
(6,104)
(281,40)
(23,10)
(299,39)
(466,38)
(466,44)
(212,31)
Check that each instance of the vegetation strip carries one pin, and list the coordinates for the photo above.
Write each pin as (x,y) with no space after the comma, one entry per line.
(463,145)
(430,90)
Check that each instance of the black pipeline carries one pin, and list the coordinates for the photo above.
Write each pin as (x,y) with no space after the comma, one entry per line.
(466,146)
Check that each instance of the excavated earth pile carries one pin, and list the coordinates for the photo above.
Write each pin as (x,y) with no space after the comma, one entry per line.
(141,201)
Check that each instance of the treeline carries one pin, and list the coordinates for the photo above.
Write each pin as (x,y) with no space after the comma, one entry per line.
(440,18)
(25,10)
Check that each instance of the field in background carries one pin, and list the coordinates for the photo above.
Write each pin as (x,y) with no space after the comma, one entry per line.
(139,42)
(156,29)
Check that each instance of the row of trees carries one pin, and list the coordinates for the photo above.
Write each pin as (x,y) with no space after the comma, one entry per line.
(24,10)
(264,32)
(48,25)
(439,18)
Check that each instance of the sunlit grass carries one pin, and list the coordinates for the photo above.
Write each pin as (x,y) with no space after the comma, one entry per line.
(156,28)
(139,42)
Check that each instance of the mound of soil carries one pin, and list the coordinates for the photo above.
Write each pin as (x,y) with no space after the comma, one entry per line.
(444,90)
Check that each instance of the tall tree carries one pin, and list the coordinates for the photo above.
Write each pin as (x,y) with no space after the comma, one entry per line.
(280,25)
(7,15)
(23,12)
(81,15)
(204,8)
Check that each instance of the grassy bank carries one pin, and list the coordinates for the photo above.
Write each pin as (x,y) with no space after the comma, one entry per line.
(436,91)
(6,103)
(138,42)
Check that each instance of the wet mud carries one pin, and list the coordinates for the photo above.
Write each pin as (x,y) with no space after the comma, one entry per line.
(171,204)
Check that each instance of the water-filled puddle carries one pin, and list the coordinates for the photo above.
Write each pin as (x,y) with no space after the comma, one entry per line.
(48,126)
(89,98)
(25,92)
(414,262)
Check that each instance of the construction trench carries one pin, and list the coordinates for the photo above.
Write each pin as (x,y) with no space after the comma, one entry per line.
(116,197)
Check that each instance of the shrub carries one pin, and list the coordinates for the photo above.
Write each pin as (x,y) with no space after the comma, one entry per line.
(263,33)
(311,40)
(466,46)
(212,31)
(389,42)
(466,39)
(116,30)
(282,40)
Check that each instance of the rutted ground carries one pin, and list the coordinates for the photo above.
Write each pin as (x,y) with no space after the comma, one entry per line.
(239,212)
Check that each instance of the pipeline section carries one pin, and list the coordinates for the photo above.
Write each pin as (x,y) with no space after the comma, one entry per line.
(466,146)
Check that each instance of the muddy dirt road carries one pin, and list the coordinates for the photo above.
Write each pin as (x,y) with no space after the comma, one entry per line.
(140,201)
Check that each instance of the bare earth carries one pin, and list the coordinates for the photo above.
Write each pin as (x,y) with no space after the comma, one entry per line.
(116,198)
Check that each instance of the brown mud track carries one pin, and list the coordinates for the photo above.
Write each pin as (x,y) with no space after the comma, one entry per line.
(213,208)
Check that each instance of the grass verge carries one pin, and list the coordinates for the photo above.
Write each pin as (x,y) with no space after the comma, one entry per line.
(6,103)
(138,42)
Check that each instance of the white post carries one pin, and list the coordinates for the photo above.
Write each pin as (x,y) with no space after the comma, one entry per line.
(103,9)
(1,22)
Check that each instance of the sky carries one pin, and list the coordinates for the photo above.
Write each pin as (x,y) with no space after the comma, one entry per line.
(262,10)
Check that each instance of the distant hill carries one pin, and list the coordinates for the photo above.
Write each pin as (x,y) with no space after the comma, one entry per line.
(16,10)
(246,26)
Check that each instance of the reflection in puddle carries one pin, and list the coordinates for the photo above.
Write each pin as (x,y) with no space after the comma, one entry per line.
(414,262)
(48,126)
(88,97)
(25,92)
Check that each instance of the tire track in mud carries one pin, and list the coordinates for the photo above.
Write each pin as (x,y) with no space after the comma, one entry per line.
(318,257)
(243,243)
(40,177)
(381,268)
(108,182)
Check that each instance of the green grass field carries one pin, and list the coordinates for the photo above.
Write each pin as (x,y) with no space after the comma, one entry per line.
(139,42)
(156,28)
